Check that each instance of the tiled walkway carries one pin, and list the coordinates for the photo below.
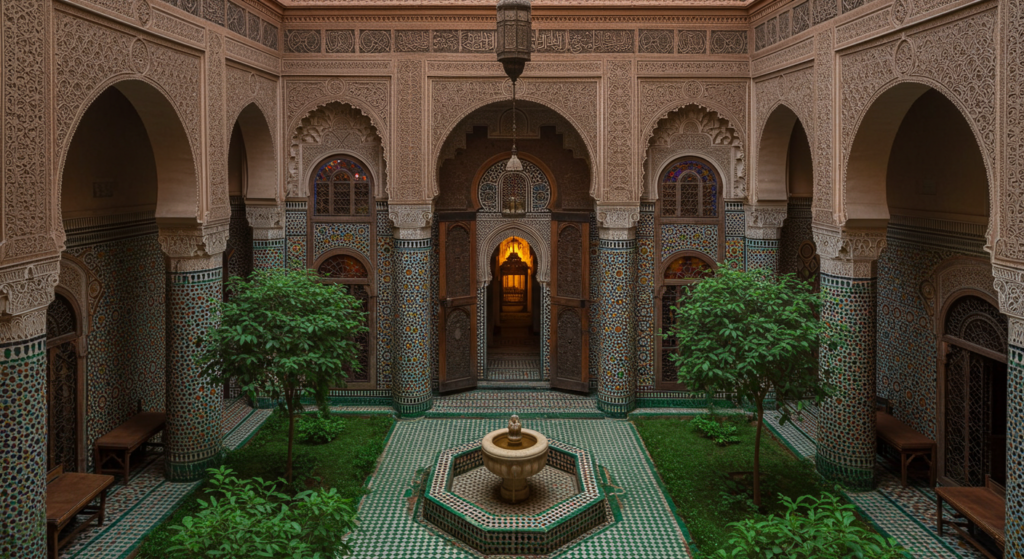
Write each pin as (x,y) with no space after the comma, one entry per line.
(648,528)
(133,511)
(905,513)
(526,403)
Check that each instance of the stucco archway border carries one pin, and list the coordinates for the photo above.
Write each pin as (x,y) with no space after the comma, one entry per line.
(379,124)
(492,239)
(452,100)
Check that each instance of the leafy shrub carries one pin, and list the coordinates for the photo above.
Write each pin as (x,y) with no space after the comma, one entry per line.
(721,433)
(321,428)
(823,528)
(249,518)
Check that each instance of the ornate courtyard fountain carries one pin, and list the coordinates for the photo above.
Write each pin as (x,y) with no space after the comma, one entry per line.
(515,493)
(515,454)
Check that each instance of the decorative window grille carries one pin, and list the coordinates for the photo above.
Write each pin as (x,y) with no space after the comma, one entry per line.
(342,187)
(690,188)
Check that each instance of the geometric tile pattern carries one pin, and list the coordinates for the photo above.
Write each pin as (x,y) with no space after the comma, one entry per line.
(504,403)
(645,298)
(548,488)
(594,342)
(683,236)
(23,447)
(126,356)
(413,340)
(134,510)
(735,231)
(907,514)
(268,254)
(193,435)
(648,528)
(846,428)
(796,229)
(762,254)
(513,366)
(385,296)
(616,384)
(1015,453)
(295,233)
(329,236)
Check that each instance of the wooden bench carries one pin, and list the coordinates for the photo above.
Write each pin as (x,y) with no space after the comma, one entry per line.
(908,442)
(982,508)
(68,495)
(119,444)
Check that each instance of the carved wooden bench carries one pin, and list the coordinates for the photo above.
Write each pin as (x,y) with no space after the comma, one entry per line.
(908,442)
(68,495)
(982,508)
(119,444)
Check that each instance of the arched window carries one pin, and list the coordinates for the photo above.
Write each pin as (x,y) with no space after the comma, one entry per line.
(349,271)
(676,275)
(342,187)
(690,187)
(974,392)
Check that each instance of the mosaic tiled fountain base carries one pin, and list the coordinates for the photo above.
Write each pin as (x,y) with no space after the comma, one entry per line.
(566,503)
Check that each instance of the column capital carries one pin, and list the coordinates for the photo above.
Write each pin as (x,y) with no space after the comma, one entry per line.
(193,248)
(617,223)
(267,222)
(411,221)
(1009,286)
(764,221)
(849,253)
(25,292)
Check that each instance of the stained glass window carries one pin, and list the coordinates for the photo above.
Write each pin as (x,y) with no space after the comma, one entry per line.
(343,266)
(688,268)
(689,188)
(342,187)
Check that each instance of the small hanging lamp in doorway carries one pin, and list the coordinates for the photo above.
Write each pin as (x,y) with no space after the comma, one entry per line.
(514,275)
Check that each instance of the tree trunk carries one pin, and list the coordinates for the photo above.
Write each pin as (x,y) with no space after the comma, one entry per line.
(757,453)
(291,438)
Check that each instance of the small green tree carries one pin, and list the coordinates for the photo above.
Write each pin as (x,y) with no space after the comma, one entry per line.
(284,334)
(753,333)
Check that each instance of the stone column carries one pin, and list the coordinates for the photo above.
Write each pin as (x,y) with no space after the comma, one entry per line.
(193,438)
(410,382)
(25,292)
(846,426)
(616,381)
(1009,284)
(267,223)
(763,231)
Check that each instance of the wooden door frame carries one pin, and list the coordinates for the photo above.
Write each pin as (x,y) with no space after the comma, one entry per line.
(80,337)
(464,303)
(558,304)
(943,342)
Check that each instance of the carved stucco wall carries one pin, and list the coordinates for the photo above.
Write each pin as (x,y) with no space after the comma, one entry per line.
(793,90)
(925,55)
(246,87)
(695,131)
(93,54)
(727,98)
(334,128)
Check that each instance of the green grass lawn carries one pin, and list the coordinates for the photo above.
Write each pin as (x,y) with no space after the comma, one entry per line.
(344,464)
(694,471)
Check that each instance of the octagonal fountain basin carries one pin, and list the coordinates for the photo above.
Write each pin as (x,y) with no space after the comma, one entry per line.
(558,499)
(515,459)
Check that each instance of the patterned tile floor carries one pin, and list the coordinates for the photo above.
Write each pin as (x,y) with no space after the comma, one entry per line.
(134,510)
(390,531)
(504,365)
(907,514)
(526,403)
(548,488)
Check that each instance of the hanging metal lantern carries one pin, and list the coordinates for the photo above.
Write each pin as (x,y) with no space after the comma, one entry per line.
(514,273)
(514,36)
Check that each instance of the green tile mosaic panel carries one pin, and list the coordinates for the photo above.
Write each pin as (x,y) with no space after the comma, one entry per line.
(846,434)
(648,529)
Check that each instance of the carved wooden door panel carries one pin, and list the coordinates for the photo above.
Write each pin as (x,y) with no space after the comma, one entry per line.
(458,357)
(570,328)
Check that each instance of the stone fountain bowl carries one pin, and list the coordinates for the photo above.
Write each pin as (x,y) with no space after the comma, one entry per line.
(514,464)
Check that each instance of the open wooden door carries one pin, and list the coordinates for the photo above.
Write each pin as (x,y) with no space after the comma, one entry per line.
(570,328)
(458,361)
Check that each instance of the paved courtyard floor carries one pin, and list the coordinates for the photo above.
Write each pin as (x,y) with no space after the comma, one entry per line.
(646,525)
(648,528)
